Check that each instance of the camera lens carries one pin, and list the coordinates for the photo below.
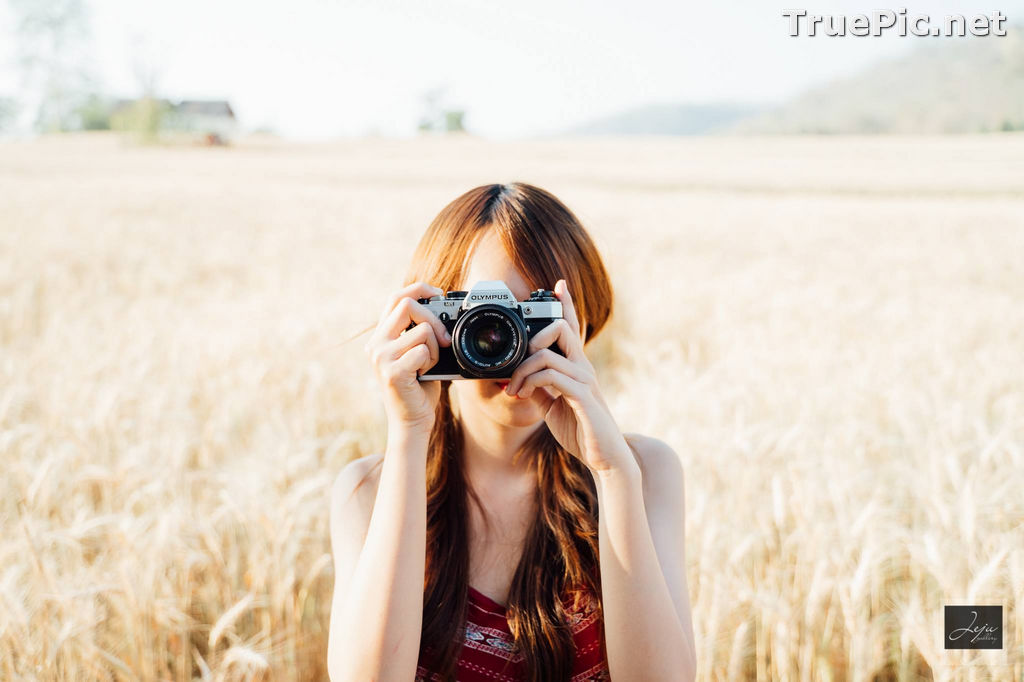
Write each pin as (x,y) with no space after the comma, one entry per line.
(490,340)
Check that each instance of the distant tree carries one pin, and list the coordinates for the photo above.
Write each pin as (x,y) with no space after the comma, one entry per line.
(453,121)
(94,113)
(437,115)
(431,105)
(148,59)
(147,116)
(8,111)
(143,118)
(52,52)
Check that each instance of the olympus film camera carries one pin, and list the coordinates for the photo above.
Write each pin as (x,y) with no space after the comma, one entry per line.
(490,329)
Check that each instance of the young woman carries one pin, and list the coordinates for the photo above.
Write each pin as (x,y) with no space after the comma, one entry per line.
(509,531)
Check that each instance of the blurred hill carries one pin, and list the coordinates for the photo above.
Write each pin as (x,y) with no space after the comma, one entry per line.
(960,85)
(667,119)
(953,86)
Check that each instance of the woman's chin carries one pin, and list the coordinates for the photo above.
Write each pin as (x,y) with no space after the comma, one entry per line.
(488,397)
(509,409)
(522,416)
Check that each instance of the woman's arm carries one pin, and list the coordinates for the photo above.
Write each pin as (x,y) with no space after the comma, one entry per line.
(377,611)
(648,629)
(648,626)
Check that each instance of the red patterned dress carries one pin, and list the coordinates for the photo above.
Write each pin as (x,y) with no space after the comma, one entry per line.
(488,644)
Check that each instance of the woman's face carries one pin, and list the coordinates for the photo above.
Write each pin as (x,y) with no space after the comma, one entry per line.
(486,397)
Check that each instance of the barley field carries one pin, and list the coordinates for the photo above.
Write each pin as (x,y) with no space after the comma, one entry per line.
(829,331)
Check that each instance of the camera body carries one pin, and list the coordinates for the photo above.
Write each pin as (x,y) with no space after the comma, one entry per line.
(490,329)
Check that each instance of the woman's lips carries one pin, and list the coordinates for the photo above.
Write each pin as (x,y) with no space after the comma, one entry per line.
(502,385)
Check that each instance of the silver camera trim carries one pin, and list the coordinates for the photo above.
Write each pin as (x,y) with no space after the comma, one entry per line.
(494,292)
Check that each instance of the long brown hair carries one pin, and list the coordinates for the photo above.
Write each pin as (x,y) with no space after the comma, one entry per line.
(546,242)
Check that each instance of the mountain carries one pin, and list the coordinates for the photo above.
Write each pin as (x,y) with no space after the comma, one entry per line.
(945,85)
(667,119)
(954,85)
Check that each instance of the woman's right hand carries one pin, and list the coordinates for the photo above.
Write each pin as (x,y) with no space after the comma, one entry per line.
(398,356)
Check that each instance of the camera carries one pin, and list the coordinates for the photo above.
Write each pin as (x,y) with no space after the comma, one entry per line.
(490,330)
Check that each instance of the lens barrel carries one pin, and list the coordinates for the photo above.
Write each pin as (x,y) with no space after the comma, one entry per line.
(488,339)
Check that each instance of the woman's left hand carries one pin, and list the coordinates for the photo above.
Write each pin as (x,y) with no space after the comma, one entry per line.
(566,388)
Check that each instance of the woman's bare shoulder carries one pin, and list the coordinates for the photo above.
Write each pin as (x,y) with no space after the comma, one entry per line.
(356,484)
(664,483)
(660,466)
(652,454)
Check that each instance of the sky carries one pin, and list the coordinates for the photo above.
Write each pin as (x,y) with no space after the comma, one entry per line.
(315,69)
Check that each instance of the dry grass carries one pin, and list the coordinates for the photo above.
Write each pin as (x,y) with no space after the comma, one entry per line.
(829,331)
